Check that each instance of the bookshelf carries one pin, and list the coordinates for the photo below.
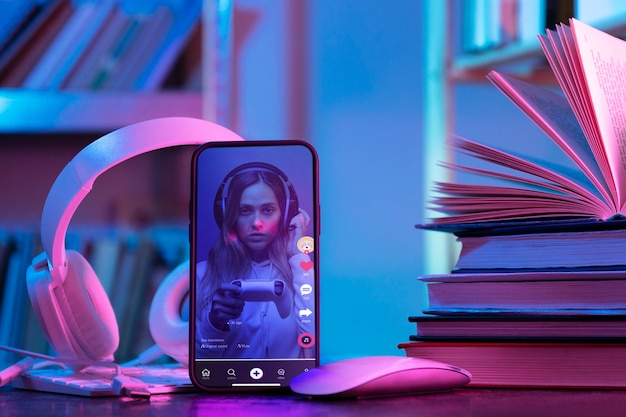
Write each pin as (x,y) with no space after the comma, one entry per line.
(49,111)
(452,60)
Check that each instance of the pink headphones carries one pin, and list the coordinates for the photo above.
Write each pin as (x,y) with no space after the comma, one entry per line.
(67,296)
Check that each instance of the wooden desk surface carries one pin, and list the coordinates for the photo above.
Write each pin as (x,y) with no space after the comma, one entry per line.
(460,403)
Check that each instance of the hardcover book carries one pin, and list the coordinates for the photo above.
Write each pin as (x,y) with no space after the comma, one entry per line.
(531,364)
(604,249)
(540,292)
(518,327)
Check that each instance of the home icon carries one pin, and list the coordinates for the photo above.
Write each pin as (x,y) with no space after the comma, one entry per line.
(206,373)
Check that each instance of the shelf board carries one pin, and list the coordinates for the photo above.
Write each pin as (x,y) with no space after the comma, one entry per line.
(473,67)
(498,56)
(41,111)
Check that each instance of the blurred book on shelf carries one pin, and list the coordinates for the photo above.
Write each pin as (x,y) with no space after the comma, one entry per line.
(20,248)
(95,45)
(495,24)
(28,43)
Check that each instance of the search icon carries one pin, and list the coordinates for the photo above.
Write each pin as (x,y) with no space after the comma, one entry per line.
(231,372)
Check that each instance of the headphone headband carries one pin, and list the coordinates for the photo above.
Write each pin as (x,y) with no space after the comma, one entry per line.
(223,192)
(76,179)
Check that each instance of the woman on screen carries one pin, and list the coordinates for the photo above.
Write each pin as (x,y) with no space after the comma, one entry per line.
(254,284)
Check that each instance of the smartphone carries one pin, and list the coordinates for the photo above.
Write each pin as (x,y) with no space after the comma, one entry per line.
(254,270)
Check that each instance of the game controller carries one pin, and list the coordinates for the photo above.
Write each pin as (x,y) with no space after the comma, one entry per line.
(266,291)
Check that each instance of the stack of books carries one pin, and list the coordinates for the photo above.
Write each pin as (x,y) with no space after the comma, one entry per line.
(538,295)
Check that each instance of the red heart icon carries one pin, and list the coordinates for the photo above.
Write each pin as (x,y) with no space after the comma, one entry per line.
(306,265)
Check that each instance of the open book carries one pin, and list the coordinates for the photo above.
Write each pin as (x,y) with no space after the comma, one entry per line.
(587,122)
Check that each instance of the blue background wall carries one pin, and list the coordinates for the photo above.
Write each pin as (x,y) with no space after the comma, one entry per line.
(366,124)
(363,104)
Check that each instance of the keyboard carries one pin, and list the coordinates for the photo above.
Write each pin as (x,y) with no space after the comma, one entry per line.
(98,382)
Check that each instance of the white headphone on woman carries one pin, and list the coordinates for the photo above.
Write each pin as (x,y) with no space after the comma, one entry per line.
(67,296)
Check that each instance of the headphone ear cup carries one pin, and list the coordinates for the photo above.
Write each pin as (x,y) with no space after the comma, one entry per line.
(169,329)
(218,207)
(76,315)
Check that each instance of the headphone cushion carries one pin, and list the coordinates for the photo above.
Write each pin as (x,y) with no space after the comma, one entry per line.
(86,311)
(294,207)
(169,329)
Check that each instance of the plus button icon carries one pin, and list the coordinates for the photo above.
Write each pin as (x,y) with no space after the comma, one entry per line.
(256,373)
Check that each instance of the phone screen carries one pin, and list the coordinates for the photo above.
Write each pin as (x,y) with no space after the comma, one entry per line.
(254,264)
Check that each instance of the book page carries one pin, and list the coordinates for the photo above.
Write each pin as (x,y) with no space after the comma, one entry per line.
(576,92)
(553,114)
(603,62)
(583,104)
(552,49)
(543,193)
(559,56)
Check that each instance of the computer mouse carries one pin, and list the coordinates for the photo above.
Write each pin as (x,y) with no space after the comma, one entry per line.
(379,376)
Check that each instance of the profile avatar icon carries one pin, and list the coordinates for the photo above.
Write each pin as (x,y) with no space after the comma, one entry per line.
(305,244)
